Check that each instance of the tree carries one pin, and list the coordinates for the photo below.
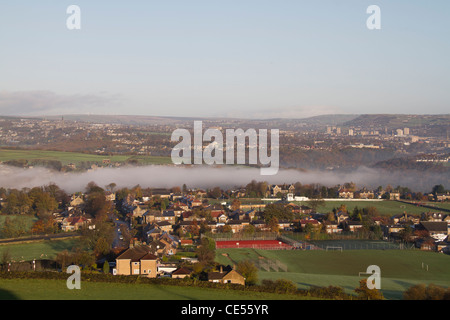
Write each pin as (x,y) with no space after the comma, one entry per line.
(424,292)
(315,203)
(364,293)
(6,258)
(206,252)
(439,188)
(110,187)
(249,271)
(276,210)
(44,205)
(215,193)
(235,205)
(106,267)
(93,187)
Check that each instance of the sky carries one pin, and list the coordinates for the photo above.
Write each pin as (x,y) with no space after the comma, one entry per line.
(228,58)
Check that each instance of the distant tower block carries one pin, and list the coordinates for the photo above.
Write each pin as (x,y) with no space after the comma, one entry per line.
(399,132)
(350,132)
(406,131)
(338,130)
(328,130)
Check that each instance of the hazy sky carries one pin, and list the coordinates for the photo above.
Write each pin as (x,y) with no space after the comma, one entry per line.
(236,58)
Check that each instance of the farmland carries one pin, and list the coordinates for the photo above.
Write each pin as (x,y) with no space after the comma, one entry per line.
(40,289)
(75,157)
(400,269)
(47,249)
(384,207)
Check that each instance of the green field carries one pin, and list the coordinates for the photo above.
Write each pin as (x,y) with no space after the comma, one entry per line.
(28,220)
(443,205)
(400,269)
(37,289)
(384,207)
(46,249)
(76,157)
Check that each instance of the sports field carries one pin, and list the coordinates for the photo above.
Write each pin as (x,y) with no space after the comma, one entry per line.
(387,207)
(400,269)
(76,157)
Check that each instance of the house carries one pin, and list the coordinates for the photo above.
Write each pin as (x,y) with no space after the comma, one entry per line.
(110,196)
(394,196)
(74,223)
(181,273)
(162,193)
(76,200)
(436,229)
(187,226)
(137,260)
(165,226)
(346,194)
(139,210)
(151,216)
(405,218)
(160,247)
(365,194)
(352,226)
(390,230)
(341,216)
(237,225)
(188,216)
(195,203)
(285,225)
(434,216)
(222,218)
(332,227)
(152,232)
(275,190)
(313,222)
(166,268)
(260,225)
(443,196)
(222,276)
(214,226)
(168,216)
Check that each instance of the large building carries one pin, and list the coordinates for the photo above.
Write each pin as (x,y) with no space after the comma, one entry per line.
(137,260)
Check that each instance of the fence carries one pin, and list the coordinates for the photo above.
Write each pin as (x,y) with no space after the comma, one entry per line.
(253,244)
(242,236)
(334,245)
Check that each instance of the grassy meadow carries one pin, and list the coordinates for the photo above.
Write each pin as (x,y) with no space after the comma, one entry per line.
(45,249)
(39,289)
(400,269)
(76,157)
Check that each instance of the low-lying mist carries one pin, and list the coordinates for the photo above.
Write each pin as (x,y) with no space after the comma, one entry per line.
(208,177)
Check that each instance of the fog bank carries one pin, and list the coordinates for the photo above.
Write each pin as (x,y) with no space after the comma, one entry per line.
(208,177)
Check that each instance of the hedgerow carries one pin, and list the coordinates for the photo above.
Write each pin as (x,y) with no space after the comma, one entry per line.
(280,286)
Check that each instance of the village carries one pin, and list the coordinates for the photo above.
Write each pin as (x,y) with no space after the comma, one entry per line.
(158,231)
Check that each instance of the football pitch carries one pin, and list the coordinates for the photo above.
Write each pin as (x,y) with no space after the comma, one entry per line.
(400,269)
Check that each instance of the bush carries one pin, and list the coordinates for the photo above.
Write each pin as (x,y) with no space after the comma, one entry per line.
(430,292)
(329,292)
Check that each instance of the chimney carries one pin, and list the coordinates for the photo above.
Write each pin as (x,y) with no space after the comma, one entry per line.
(221,269)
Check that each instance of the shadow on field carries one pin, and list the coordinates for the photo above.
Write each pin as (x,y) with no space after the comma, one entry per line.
(171,292)
(7,295)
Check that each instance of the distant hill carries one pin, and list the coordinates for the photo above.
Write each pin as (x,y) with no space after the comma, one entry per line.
(398,120)
(335,119)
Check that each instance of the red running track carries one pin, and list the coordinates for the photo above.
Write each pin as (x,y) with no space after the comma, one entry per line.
(257,244)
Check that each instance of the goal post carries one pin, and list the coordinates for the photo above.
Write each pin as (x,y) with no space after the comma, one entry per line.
(332,248)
